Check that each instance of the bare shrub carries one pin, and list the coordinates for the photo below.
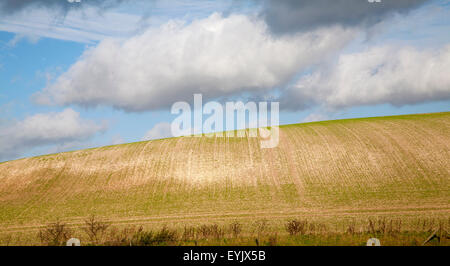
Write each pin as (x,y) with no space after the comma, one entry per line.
(295,227)
(236,229)
(123,237)
(273,240)
(211,231)
(383,226)
(321,228)
(95,229)
(376,226)
(165,236)
(428,225)
(261,227)
(54,234)
(315,228)
(144,238)
(371,227)
(204,231)
(188,233)
(351,228)
(137,236)
(394,227)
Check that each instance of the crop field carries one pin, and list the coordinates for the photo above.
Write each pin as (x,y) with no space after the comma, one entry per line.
(339,174)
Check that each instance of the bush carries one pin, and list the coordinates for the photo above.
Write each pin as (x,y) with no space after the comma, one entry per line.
(124,237)
(273,240)
(210,231)
(351,228)
(144,238)
(295,227)
(95,229)
(188,233)
(148,238)
(54,234)
(236,229)
(382,226)
(165,236)
(261,227)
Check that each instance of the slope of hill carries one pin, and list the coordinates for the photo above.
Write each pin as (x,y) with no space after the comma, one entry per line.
(397,165)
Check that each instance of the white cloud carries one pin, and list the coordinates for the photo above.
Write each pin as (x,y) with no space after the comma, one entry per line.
(63,147)
(61,128)
(18,37)
(314,117)
(387,74)
(91,21)
(159,131)
(117,139)
(215,56)
(85,25)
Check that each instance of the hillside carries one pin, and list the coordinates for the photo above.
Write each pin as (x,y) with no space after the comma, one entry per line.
(397,165)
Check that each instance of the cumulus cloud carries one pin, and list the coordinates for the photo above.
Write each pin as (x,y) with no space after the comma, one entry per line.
(215,56)
(159,131)
(63,128)
(285,16)
(387,74)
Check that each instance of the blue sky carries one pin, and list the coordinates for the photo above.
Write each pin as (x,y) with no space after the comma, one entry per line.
(37,47)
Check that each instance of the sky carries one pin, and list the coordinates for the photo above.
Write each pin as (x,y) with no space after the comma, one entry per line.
(103,72)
